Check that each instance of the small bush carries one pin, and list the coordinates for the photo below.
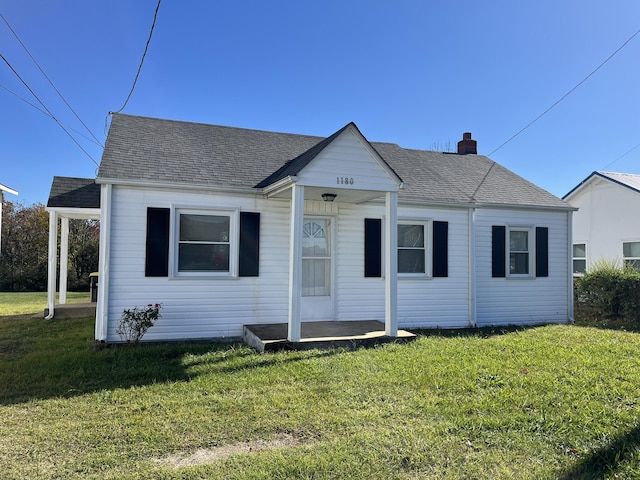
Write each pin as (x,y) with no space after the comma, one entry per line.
(611,293)
(135,322)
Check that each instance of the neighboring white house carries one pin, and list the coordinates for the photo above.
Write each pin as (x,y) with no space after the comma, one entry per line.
(228,226)
(606,224)
(3,189)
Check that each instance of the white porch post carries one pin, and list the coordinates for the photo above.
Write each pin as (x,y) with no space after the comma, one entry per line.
(295,262)
(102,310)
(53,260)
(64,259)
(391,265)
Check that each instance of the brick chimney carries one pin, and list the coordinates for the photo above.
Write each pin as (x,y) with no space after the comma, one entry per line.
(467,145)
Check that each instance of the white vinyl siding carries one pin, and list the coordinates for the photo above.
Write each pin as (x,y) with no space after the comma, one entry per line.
(200,308)
(534,299)
(606,217)
(196,308)
(434,303)
(347,164)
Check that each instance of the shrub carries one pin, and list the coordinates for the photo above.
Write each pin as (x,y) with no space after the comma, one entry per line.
(610,292)
(135,322)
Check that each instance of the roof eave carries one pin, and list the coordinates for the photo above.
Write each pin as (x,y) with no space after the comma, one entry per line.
(173,186)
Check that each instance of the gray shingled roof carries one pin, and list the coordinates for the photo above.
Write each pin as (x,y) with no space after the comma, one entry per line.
(74,193)
(175,152)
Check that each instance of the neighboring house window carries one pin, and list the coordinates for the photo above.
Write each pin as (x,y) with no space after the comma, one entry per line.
(579,258)
(631,254)
(206,243)
(513,248)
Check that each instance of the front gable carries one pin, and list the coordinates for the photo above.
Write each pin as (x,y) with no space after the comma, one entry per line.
(344,163)
(349,162)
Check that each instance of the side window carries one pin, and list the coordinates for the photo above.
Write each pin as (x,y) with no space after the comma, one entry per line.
(631,254)
(579,258)
(204,243)
(412,248)
(517,253)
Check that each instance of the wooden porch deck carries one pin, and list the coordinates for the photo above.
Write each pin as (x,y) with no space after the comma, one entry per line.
(354,334)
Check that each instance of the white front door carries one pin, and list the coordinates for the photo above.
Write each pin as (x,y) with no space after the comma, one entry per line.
(317,265)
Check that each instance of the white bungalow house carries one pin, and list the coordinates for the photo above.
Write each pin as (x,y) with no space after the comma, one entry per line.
(228,226)
(605,225)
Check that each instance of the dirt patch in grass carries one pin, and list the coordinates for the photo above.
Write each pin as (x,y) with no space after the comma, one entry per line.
(210,455)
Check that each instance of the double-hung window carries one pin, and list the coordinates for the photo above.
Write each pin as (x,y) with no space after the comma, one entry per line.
(519,251)
(206,242)
(413,248)
(579,258)
(631,254)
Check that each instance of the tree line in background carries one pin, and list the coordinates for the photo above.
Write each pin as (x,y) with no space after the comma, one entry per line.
(25,245)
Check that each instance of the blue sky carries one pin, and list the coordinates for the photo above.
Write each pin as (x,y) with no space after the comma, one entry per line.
(416,73)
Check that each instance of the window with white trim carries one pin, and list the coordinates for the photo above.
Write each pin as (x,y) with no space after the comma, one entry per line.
(413,258)
(519,253)
(206,242)
(631,254)
(579,258)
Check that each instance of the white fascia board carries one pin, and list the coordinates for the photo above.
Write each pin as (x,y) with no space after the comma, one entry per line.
(69,212)
(4,188)
(175,186)
(280,185)
(516,206)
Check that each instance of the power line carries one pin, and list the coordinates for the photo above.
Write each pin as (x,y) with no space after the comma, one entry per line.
(48,79)
(144,54)
(45,113)
(47,110)
(568,93)
(623,155)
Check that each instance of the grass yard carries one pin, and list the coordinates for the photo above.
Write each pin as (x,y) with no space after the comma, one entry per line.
(34,302)
(554,402)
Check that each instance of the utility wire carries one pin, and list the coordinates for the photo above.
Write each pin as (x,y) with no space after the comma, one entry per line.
(48,79)
(568,93)
(144,54)
(45,113)
(47,110)
(623,155)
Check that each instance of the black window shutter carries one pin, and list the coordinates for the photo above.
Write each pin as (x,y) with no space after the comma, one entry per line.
(542,252)
(157,248)
(440,249)
(249,250)
(372,247)
(498,253)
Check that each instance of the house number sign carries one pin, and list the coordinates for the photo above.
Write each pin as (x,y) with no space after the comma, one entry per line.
(344,180)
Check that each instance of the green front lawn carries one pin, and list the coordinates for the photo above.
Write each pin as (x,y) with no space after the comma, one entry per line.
(34,302)
(548,402)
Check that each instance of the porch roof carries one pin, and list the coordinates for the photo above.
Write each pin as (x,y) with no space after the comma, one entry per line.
(71,192)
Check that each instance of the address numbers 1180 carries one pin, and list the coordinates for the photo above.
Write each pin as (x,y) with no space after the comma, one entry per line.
(344,180)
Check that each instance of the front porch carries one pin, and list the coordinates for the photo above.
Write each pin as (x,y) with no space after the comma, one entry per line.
(351,334)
